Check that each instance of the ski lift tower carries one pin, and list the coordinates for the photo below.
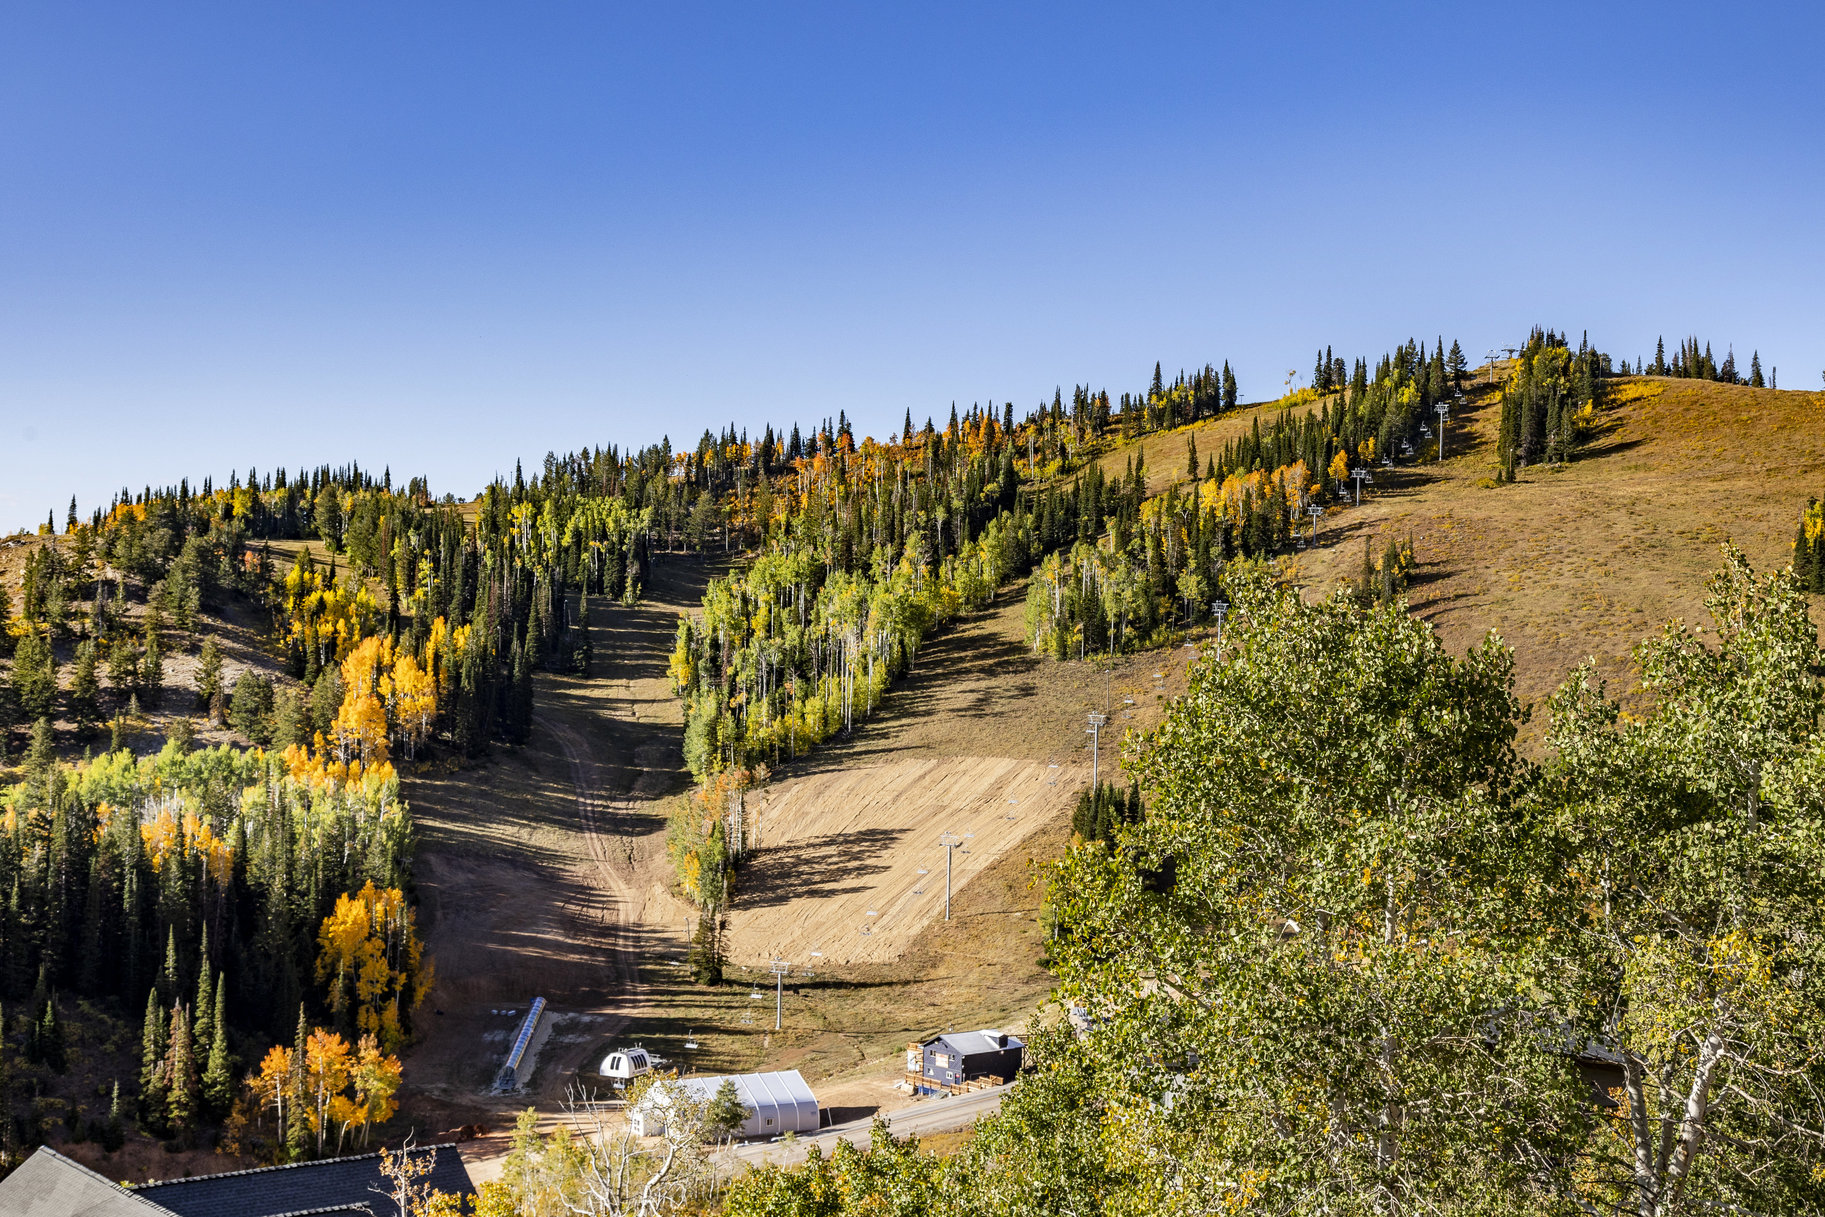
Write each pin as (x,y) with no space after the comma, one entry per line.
(779,968)
(950,841)
(1444,413)
(1361,475)
(1094,731)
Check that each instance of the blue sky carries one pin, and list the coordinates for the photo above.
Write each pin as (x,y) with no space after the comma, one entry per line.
(445,237)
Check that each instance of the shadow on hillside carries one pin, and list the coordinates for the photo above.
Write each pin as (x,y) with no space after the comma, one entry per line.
(831,865)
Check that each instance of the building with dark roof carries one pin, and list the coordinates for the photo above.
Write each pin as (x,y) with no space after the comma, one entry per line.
(952,1061)
(331,1187)
(50,1185)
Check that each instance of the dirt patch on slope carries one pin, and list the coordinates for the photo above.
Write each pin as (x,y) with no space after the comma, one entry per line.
(850,864)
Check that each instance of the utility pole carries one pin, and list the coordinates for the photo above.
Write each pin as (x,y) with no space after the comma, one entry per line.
(950,841)
(1097,719)
(780,967)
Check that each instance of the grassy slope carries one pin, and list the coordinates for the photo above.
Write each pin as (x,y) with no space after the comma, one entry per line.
(1585,560)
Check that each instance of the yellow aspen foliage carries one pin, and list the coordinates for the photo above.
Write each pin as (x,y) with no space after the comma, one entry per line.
(360,727)
(271,1081)
(369,955)
(412,700)
(326,1075)
(374,1079)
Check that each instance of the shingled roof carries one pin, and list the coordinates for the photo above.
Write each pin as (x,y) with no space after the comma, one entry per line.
(47,1184)
(334,1187)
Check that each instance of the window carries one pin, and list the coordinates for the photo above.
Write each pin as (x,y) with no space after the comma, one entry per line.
(942,1060)
(769,1121)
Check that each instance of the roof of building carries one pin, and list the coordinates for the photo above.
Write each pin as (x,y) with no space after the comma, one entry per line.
(333,1187)
(756,1090)
(972,1043)
(47,1184)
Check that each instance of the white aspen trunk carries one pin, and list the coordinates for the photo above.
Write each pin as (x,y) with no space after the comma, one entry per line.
(1692,1124)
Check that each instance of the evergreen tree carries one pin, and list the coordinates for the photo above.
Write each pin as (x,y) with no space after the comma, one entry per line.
(218,1077)
(34,676)
(50,1042)
(181,1075)
(297,1127)
(584,652)
(155,1044)
(85,689)
(1755,370)
(209,676)
(152,668)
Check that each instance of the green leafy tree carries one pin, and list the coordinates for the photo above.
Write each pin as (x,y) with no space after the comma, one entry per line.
(1694,839)
(1314,911)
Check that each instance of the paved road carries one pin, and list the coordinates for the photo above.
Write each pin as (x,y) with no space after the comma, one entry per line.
(929,1116)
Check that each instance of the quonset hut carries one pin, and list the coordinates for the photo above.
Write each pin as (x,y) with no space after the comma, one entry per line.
(777,1103)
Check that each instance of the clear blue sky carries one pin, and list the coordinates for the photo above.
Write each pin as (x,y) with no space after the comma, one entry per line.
(441,237)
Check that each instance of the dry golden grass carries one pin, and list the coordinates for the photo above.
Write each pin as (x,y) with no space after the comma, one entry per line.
(1585,560)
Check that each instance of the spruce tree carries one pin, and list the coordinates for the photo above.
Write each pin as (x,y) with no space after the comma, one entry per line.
(1755,371)
(218,1077)
(152,668)
(50,1037)
(584,652)
(297,1128)
(168,977)
(85,689)
(205,998)
(209,675)
(180,1070)
(154,1045)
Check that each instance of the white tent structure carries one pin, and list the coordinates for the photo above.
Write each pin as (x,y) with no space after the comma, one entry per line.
(777,1103)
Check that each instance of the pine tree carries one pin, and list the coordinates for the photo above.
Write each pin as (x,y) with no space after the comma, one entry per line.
(85,689)
(152,668)
(1755,370)
(209,675)
(154,1045)
(50,1037)
(218,1077)
(205,998)
(297,1128)
(1191,457)
(584,652)
(180,1070)
(167,979)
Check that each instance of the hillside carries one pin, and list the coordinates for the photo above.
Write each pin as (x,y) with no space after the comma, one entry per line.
(542,869)
(1585,559)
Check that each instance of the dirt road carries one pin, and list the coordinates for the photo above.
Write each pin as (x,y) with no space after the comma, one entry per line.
(535,871)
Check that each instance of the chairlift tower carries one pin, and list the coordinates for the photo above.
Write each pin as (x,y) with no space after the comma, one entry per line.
(1094,731)
(950,841)
(1314,511)
(1360,474)
(779,968)
(1444,412)
(1221,609)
